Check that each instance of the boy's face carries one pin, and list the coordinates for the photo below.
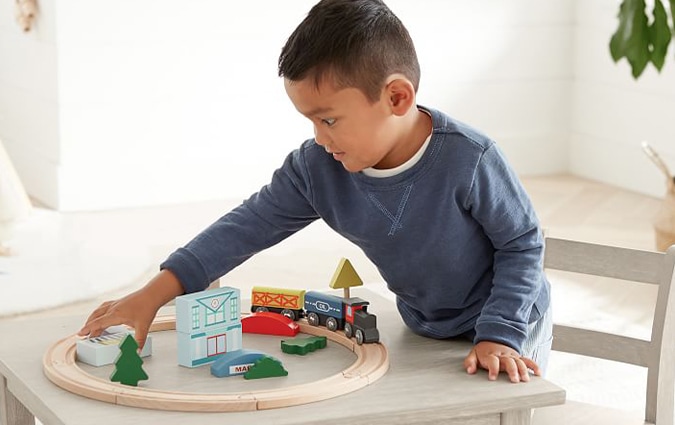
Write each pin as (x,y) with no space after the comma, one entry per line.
(358,133)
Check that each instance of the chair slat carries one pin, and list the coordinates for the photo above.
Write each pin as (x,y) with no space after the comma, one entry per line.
(601,260)
(601,345)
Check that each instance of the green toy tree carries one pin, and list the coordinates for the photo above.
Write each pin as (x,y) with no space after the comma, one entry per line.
(128,365)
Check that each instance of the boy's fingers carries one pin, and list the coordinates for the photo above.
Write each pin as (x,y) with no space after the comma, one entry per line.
(97,326)
(522,370)
(89,328)
(492,365)
(531,364)
(96,314)
(141,336)
(471,363)
(509,364)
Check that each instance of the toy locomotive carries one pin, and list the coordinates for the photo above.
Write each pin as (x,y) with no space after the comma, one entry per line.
(320,309)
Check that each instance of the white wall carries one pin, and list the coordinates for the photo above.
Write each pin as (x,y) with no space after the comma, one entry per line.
(127,103)
(612,112)
(502,66)
(29,124)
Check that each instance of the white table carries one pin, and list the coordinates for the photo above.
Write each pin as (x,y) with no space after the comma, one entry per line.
(426,384)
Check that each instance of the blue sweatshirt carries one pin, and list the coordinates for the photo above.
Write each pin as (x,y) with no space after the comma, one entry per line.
(455,237)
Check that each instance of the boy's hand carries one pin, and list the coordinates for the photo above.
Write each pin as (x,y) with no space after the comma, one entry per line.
(134,310)
(495,358)
(137,309)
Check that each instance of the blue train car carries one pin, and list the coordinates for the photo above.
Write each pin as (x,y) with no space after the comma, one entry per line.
(324,310)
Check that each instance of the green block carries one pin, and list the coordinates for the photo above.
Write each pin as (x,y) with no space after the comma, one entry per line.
(266,367)
(303,346)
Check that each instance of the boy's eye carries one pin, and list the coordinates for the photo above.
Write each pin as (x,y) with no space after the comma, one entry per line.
(328,121)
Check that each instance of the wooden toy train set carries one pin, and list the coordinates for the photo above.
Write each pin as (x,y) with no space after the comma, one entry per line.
(320,309)
(209,328)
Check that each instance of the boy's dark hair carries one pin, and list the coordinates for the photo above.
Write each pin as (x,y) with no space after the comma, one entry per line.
(358,43)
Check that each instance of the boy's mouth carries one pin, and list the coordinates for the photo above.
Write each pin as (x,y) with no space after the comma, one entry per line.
(336,155)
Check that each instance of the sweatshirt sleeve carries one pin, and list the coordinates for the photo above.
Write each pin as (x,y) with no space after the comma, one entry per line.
(500,204)
(278,210)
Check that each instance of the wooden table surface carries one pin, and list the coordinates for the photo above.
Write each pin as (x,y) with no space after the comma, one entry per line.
(425,384)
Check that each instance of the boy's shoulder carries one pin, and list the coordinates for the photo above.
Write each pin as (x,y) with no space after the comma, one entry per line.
(456,130)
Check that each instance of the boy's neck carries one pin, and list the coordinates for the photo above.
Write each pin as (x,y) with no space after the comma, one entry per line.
(421,129)
(415,128)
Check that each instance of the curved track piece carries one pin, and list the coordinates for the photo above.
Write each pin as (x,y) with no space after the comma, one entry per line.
(372,363)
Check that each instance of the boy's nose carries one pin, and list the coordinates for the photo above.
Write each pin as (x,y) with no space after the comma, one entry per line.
(321,138)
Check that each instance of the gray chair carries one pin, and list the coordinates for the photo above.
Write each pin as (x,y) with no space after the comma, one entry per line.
(656,354)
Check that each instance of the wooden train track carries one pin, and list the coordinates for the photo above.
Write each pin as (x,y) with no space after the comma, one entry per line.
(372,362)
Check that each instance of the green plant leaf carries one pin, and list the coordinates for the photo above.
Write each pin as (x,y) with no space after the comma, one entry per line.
(631,39)
(672,13)
(659,35)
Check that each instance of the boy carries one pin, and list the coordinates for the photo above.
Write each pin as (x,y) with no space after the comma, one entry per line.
(431,201)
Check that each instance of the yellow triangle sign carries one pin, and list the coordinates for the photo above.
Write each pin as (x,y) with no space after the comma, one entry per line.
(345,276)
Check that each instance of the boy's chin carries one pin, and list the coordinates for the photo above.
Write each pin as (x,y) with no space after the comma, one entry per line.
(353,168)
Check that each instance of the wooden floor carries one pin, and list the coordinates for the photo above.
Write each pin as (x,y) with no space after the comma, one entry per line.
(571,207)
(568,207)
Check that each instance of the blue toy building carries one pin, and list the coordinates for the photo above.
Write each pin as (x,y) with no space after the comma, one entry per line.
(208,325)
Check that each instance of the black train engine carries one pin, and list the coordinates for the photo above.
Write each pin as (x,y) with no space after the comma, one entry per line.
(359,323)
(350,314)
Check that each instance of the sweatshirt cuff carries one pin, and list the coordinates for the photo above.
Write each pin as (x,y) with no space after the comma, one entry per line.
(500,333)
(188,270)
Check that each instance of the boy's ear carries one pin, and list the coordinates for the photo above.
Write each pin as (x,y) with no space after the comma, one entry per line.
(400,94)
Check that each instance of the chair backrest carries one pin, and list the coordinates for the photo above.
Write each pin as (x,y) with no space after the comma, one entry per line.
(657,354)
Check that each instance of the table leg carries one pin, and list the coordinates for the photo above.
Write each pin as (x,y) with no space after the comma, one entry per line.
(516,417)
(12,412)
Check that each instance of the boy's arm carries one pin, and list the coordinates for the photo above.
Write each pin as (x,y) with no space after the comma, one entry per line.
(278,210)
(274,213)
(500,204)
